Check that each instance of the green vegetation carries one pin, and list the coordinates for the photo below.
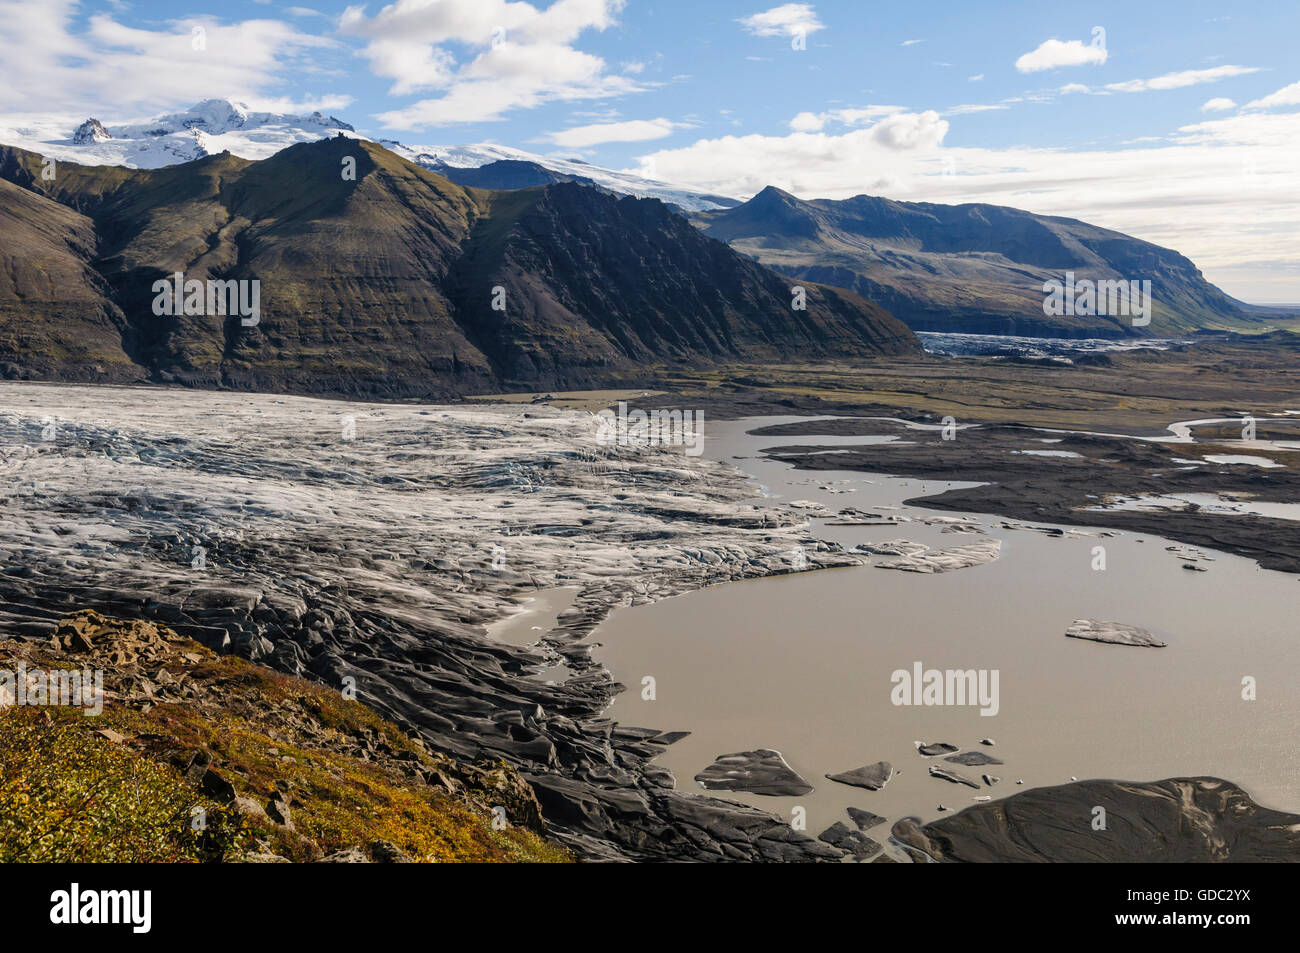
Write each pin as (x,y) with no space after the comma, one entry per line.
(67,794)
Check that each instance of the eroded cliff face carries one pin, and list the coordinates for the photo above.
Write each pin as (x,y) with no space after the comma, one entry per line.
(600,285)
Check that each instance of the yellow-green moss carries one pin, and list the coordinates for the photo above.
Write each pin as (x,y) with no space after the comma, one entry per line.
(68,794)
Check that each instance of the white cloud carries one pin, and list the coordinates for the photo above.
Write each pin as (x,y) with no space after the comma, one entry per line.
(53,62)
(511,56)
(975,79)
(1218,104)
(288,106)
(790,19)
(973,108)
(804,162)
(1069,88)
(1286,96)
(1181,79)
(808,122)
(1053,54)
(413,67)
(634,130)
(855,116)
(911,42)
(604,114)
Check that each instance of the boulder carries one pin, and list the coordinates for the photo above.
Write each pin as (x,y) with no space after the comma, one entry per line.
(865,820)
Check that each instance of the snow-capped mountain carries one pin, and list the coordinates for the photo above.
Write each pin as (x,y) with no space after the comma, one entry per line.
(212,126)
(219,125)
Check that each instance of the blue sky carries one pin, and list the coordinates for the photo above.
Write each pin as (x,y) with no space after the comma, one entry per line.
(1177,122)
(701,66)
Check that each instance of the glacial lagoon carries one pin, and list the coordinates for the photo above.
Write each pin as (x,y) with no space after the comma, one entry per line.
(802,663)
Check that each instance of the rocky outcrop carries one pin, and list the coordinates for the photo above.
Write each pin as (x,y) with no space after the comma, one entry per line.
(972,758)
(858,845)
(865,820)
(873,777)
(947,774)
(92,130)
(935,748)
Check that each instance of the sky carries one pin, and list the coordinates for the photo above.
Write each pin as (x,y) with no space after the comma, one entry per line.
(1176,122)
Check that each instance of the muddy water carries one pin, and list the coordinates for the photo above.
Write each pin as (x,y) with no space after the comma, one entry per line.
(802,663)
(537,615)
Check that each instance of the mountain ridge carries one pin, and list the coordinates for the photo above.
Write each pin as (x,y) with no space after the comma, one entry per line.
(387,284)
(976,267)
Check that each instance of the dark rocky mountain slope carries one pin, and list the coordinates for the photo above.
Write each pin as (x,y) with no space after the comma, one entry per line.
(56,317)
(394,283)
